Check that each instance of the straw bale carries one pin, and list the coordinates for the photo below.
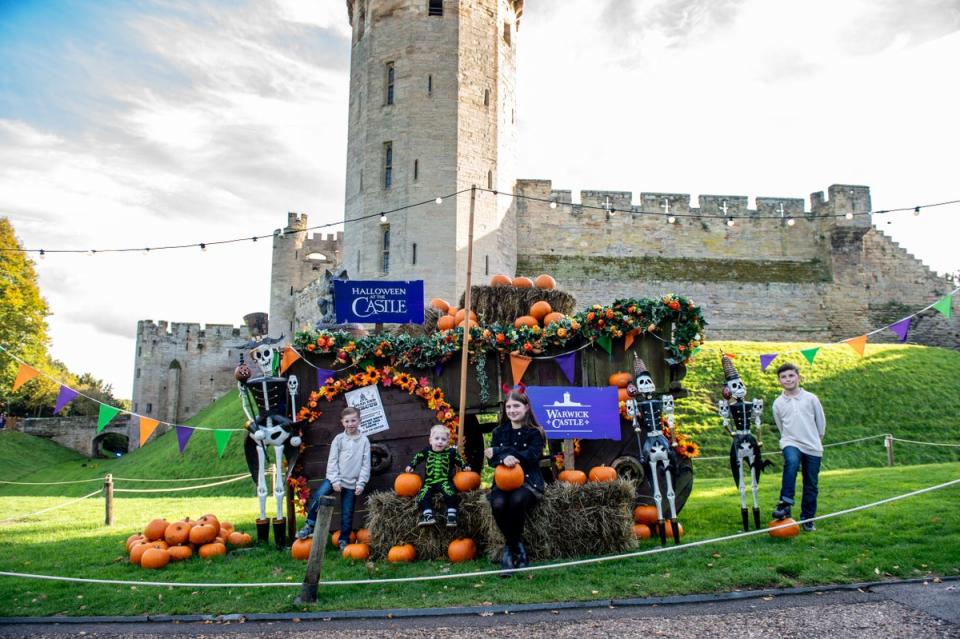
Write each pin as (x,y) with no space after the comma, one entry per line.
(504,304)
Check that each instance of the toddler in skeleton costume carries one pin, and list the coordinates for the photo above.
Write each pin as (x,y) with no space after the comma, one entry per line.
(441,464)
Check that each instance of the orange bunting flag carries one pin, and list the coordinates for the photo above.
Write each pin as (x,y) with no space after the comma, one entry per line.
(628,339)
(289,357)
(858,344)
(518,366)
(24,375)
(147,426)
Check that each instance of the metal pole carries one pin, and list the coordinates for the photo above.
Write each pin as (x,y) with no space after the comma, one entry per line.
(318,548)
(466,321)
(888,443)
(108,498)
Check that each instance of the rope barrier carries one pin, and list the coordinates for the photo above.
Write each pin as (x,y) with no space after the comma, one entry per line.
(66,503)
(100,479)
(843,443)
(51,483)
(180,488)
(488,573)
(234,476)
(911,441)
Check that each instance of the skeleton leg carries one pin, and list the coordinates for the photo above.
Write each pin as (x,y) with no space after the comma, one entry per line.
(756,501)
(743,493)
(279,523)
(674,525)
(658,500)
(263,524)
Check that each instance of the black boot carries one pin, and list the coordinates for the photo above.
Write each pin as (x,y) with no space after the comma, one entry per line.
(506,561)
(521,555)
(263,531)
(280,532)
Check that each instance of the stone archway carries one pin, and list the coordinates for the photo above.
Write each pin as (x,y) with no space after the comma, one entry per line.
(109,444)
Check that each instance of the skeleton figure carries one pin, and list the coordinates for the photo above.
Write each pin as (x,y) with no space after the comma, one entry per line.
(745,449)
(271,424)
(656,451)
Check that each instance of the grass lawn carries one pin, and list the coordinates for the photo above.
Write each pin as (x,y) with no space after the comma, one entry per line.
(910,538)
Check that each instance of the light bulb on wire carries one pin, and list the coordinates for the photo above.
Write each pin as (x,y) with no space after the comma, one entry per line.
(730,221)
(43,254)
(791,221)
(383,218)
(203,247)
(916,211)
(849,216)
(439,200)
(672,219)
(553,205)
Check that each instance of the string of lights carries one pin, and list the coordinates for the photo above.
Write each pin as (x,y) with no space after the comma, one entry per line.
(670,216)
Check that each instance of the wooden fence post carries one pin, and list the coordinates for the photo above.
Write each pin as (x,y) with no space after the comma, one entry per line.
(318,548)
(108,497)
(888,443)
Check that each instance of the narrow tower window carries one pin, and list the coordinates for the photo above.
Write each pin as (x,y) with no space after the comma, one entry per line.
(385,262)
(506,33)
(387,164)
(486,97)
(490,180)
(416,169)
(390,80)
(486,265)
(430,85)
(413,254)
(435,8)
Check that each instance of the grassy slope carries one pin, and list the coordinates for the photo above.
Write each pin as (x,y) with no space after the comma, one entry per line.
(24,455)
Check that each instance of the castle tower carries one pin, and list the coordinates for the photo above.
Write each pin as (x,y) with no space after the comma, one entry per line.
(432,112)
(286,275)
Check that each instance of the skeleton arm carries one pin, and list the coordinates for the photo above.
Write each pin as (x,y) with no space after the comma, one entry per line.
(245,401)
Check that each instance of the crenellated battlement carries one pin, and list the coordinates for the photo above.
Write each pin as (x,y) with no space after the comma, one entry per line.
(148,329)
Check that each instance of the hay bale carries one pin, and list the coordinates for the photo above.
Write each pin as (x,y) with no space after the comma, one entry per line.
(570,521)
(504,304)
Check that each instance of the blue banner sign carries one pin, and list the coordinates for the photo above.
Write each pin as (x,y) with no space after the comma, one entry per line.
(378,301)
(576,412)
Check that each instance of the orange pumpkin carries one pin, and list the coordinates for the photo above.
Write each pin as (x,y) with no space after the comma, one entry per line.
(202,534)
(576,477)
(508,477)
(462,313)
(791,529)
(134,538)
(208,551)
(642,531)
(335,538)
(154,559)
(526,320)
(155,529)
(540,309)
(136,553)
(550,318)
(622,395)
(473,324)
(603,473)
(452,311)
(669,528)
(300,550)
(500,280)
(358,552)
(210,520)
(239,539)
(620,379)
(407,484)
(363,535)
(440,304)
(461,550)
(445,323)
(545,281)
(226,528)
(180,553)
(402,554)
(645,514)
(177,533)
(522,282)
(466,480)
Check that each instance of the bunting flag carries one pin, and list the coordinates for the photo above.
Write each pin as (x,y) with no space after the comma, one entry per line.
(627,340)
(290,355)
(810,353)
(274,364)
(184,433)
(323,375)
(107,413)
(606,343)
(518,366)
(438,369)
(24,375)
(147,426)
(65,396)
(567,364)
(945,306)
(766,359)
(900,328)
(363,365)
(221,437)
(857,344)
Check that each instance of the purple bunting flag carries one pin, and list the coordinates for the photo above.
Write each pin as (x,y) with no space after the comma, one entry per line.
(438,369)
(566,364)
(184,433)
(766,359)
(900,328)
(65,396)
(323,375)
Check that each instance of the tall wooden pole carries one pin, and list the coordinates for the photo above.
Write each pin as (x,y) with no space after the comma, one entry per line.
(466,321)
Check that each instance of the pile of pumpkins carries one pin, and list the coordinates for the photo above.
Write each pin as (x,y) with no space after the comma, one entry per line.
(543,281)
(620,379)
(460,549)
(162,541)
(357,549)
(540,312)
(645,522)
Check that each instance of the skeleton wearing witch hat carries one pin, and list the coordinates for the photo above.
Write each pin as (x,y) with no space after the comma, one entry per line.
(270,404)
(745,449)
(656,451)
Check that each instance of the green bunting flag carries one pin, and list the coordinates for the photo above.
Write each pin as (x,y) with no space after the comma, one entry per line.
(945,306)
(221,437)
(363,364)
(106,414)
(810,353)
(606,343)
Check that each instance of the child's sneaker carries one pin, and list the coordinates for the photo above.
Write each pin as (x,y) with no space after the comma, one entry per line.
(782,511)
(306,531)
(451,520)
(808,526)
(341,544)
(426,519)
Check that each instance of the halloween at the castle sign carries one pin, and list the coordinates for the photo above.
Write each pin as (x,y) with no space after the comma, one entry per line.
(379,302)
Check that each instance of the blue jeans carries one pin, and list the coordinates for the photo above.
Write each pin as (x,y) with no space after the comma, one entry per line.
(347,499)
(793,460)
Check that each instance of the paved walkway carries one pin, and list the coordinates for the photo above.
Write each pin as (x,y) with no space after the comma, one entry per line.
(928,610)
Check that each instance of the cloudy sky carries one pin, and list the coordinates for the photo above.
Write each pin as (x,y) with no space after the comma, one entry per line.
(137,124)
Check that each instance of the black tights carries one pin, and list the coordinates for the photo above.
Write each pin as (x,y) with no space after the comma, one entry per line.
(510,509)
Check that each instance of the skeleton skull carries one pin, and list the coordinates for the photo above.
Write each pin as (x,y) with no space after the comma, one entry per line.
(724,409)
(645,385)
(737,389)
(667,403)
(293,385)
(263,356)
